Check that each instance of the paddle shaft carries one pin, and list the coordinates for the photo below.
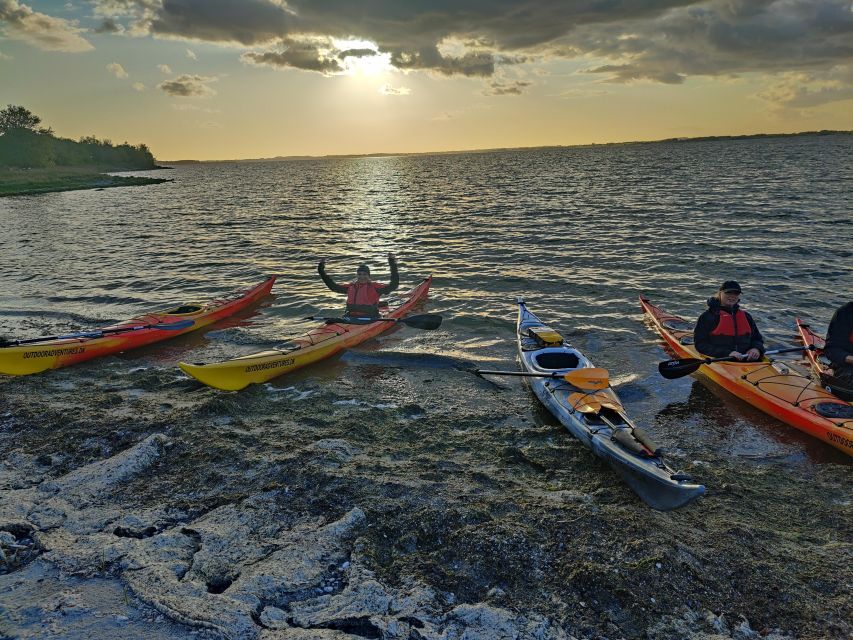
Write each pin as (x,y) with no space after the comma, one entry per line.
(766,353)
(425,321)
(684,366)
(520,374)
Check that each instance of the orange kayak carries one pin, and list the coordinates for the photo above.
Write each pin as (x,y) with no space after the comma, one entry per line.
(318,344)
(773,387)
(820,364)
(34,356)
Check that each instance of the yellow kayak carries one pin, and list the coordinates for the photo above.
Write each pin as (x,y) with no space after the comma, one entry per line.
(318,344)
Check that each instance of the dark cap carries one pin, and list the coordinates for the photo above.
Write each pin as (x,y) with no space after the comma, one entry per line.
(730,286)
(363,268)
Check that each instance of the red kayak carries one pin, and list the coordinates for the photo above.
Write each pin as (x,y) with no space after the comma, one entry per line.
(24,357)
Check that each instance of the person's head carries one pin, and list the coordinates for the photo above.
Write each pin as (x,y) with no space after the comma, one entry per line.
(729,293)
(362,274)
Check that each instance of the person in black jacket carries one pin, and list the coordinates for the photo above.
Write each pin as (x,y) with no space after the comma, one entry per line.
(362,293)
(839,343)
(727,330)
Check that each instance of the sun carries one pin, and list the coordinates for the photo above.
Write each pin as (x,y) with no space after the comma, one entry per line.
(361,63)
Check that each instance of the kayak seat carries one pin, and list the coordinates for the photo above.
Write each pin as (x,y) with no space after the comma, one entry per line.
(557,360)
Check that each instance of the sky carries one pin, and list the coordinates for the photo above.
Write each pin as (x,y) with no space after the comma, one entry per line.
(230,79)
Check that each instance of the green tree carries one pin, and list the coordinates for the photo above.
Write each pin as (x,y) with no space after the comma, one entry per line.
(13,117)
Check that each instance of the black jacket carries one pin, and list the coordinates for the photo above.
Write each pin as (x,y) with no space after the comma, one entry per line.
(838,345)
(721,346)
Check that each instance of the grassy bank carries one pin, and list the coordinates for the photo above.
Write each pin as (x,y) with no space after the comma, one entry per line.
(17,182)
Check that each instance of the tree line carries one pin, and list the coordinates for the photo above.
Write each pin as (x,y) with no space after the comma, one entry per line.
(23,144)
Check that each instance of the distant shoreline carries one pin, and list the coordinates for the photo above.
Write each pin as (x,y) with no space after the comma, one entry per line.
(751,136)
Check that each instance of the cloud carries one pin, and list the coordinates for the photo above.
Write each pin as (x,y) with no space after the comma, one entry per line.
(165,69)
(189,86)
(511,88)
(4,56)
(806,91)
(138,86)
(117,70)
(191,54)
(388,90)
(20,22)
(308,55)
(109,25)
(663,41)
(720,38)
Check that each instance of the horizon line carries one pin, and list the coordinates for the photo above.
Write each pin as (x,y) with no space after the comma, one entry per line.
(384,154)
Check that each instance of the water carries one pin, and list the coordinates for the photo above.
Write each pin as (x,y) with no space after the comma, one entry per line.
(578,232)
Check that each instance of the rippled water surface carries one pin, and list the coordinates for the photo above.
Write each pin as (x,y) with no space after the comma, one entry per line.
(579,232)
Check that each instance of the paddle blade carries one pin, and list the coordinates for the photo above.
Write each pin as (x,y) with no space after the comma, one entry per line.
(584,403)
(428,321)
(589,378)
(672,369)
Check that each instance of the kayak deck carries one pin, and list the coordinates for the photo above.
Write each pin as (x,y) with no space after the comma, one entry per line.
(53,354)
(317,344)
(775,388)
(599,421)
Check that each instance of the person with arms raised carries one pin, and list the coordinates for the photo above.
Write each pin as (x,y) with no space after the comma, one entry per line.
(362,293)
(726,330)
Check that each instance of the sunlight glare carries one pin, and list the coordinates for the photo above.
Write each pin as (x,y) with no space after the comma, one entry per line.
(364,65)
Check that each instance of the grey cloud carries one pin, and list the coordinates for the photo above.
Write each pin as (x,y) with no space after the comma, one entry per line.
(513,88)
(248,22)
(188,86)
(357,53)
(20,22)
(656,40)
(108,25)
(722,38)
(476,63)
(298,55)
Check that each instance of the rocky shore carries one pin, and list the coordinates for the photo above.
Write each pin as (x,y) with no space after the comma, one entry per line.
(343,504)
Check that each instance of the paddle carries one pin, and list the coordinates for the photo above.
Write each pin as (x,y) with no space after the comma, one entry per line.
(585,378)
(428,321)
(100,333)
(592,403)
(672,369)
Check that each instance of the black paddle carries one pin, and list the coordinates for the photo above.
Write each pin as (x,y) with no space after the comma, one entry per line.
(672,369)
(428,321)
(100,333)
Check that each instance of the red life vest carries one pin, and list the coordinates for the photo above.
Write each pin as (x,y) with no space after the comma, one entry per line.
(728,323)
(363,294)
